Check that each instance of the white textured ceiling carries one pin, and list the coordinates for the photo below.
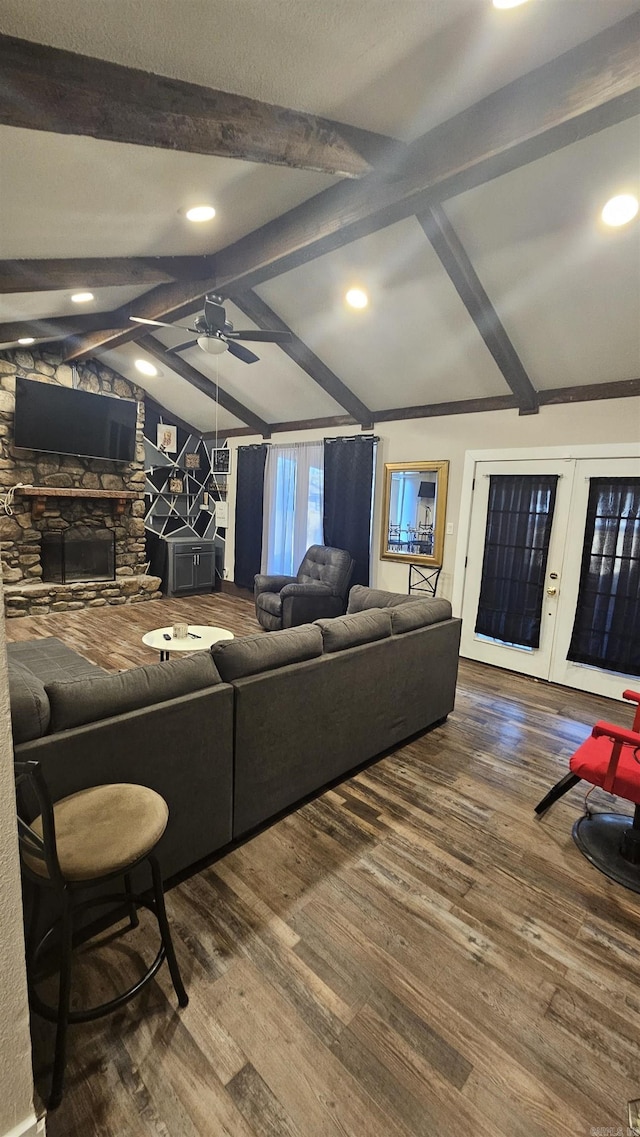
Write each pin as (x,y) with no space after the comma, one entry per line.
(53,304)
(564,290)
(66,196)
(173,393)
(393,66)
(566,287)
(415,337)
(274,388)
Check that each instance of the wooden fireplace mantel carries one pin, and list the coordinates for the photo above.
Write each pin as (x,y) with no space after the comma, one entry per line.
(41,493)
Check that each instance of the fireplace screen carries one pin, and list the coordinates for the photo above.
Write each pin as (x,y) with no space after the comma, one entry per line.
(75,555)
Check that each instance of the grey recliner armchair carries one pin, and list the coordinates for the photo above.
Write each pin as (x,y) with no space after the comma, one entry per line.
(318,591)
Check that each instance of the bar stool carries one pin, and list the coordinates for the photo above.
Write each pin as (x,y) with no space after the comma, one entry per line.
(96,835)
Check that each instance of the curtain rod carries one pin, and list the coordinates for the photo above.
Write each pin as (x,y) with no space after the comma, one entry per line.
(314,442)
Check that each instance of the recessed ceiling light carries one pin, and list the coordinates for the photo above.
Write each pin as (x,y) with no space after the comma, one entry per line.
(146,368)
(357,298)
(26,339)
(201,213)
(82,297)
(508,3)
(619,210)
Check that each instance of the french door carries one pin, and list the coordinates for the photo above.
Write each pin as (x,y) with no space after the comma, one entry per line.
(528,521)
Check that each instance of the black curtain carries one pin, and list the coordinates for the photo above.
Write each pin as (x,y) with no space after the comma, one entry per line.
(249,508)
(606,631)
(348,486)
(519,517)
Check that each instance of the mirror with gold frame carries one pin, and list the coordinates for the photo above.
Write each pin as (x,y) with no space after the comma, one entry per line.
(414,512)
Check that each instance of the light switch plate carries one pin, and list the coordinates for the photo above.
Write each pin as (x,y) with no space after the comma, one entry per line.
(449,528)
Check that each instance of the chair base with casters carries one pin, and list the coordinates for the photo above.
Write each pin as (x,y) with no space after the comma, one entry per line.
(611,842)
(92,837)
(610,759)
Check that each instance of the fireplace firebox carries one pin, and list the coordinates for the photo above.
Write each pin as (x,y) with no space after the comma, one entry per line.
(78,554)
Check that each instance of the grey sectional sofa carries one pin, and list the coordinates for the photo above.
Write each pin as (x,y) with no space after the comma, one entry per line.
(233,738)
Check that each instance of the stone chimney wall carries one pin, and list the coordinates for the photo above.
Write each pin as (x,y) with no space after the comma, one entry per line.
(20,533)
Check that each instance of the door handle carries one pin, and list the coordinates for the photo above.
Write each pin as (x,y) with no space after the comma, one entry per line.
(551,591)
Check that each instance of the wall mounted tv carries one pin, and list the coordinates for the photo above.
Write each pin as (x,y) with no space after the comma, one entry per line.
(62,420)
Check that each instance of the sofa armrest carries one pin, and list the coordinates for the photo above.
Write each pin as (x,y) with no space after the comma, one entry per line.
(311,588)
(270,583)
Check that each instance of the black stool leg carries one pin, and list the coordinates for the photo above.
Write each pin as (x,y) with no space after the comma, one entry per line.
(133,913)
(165,932)
(57,1081)
(562,787)
(32,933)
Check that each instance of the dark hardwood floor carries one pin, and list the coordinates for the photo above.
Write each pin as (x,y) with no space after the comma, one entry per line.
(410,955)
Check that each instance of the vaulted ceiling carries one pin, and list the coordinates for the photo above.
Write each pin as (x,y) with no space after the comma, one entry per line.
(449,157)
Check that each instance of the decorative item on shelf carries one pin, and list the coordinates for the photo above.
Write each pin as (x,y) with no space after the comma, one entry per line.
(176,485)
(167,438)
(192,461)
(221,460)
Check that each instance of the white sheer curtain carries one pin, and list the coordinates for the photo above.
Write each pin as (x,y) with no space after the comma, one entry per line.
(293,505)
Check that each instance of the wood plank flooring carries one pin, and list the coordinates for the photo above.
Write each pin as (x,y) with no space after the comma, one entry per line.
(410,955)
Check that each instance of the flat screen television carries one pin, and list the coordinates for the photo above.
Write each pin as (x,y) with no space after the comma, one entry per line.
(62,420)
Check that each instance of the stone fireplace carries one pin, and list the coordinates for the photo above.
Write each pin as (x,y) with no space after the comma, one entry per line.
(69,496)
(78,554)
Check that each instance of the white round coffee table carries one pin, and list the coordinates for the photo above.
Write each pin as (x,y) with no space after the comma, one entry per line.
(200,637)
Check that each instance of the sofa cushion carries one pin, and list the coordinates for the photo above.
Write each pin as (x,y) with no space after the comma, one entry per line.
(361,598)
(30,711)
(358,628)
(78,701)
(236,659)
(419,614)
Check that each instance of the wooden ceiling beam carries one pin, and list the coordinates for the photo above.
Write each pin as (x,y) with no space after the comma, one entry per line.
(589,88)
(205,386)
(590,392)
(46,88)
(463,276)
(329,423)
(622,389)
(97,272)
(257,310)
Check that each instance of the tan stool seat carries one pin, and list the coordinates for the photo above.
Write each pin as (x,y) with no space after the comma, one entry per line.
(103,830)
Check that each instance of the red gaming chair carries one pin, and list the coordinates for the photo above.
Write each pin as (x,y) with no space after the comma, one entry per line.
(610,758)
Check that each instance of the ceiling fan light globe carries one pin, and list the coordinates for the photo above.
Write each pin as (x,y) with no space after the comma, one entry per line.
(212,345)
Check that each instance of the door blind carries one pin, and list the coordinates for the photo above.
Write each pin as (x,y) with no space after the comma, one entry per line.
(606,630)
(519,517)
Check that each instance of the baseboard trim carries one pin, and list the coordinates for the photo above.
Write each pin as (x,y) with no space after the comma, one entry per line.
(232,589)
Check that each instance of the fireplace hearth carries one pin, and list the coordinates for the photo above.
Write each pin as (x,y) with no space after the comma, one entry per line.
(74,555)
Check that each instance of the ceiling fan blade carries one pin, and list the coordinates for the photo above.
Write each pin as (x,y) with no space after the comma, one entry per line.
(160,324)
(259,336)
(181,347)
(242,353)
(214,315)
(154,323)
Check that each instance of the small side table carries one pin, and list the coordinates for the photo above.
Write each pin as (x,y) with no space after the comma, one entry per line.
(200,637)
(424,579)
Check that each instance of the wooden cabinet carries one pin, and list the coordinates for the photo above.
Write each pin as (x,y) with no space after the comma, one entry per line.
(193,566)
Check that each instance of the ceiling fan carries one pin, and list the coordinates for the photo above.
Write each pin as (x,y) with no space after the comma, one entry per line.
(215,334)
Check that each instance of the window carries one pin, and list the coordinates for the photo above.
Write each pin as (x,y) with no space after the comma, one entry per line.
(293,505)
